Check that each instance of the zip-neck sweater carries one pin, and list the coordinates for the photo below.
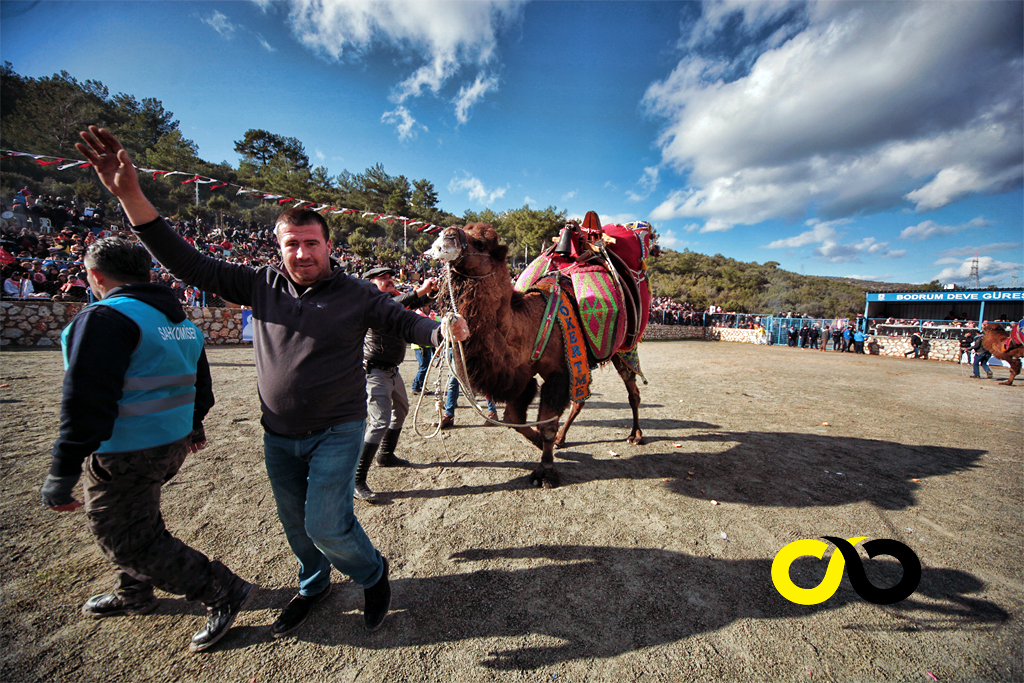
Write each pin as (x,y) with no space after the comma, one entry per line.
(308,341)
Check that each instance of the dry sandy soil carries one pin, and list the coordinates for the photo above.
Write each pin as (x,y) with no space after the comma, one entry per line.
(628,572)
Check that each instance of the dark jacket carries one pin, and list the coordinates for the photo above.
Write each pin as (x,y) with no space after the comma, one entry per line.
(308,342)
(386,350)
(99,350)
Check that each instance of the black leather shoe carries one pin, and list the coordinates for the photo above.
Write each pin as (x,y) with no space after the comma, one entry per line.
(111,605)
(219,619)
(377,600)
(296,611)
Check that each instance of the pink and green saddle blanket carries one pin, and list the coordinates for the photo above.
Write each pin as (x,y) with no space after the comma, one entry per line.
(612,319)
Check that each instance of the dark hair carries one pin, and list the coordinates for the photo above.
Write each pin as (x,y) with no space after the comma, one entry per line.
(119,259)
(299,217)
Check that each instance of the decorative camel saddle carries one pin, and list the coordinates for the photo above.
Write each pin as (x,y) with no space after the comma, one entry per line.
(603,271)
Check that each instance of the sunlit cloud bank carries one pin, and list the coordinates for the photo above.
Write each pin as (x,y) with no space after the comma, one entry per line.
(834,109)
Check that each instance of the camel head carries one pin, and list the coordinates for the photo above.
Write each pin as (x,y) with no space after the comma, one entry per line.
(475,250)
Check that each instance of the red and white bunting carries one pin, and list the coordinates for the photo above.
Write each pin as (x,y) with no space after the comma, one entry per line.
(215,184)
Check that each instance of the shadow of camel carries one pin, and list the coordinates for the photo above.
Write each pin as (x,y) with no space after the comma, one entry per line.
(761,468)
(599,602)
(806,470)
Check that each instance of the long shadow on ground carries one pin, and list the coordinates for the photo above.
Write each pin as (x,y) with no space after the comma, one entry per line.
(599,602)
(783,469)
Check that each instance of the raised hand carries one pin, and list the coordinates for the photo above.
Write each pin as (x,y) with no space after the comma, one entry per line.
(111,161)
(116,172)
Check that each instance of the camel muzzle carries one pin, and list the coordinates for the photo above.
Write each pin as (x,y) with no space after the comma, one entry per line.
(447,247)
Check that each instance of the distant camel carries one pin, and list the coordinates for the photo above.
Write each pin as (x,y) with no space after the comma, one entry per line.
(994,342)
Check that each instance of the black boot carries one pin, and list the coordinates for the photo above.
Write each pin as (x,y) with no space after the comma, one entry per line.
(362,491)
(386,456)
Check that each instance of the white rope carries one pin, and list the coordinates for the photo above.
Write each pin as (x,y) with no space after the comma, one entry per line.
(454,356)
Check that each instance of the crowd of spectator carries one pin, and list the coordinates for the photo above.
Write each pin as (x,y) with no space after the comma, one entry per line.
(44,241)
(45,238)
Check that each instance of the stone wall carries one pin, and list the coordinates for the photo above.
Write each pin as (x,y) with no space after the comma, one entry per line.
(31,323)
(936,349)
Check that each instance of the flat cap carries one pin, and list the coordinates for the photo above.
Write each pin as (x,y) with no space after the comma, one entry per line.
(377,272)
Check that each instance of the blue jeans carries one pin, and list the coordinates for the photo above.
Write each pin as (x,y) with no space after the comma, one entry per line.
(423,357)
(313,477)
(981,360)
(451,398)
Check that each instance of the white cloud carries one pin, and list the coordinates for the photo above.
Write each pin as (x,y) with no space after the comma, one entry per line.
(830,249)
(984,248)
(266,46)
(403,121)
(929,229)
(846,107)
(528,201)
(618,218)
(444,35)
(873,278)
(471,94)
(819,232)
(716,225)
(475,189)
(569,195)
(669,240)
(648,183)
(320,156)
(220,24)
(990,272)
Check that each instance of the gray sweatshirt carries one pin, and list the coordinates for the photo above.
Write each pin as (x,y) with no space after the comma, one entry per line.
(309,344)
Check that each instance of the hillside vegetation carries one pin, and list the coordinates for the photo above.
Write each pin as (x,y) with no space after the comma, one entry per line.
(44,116)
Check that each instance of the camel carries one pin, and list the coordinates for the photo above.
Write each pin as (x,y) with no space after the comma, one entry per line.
(503,327)
(994,342)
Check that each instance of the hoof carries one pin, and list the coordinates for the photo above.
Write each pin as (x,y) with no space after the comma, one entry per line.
(547,479)
(560,444)
(636,439)
(1007,383)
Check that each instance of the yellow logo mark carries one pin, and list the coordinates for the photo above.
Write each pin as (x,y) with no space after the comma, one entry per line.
(813,548)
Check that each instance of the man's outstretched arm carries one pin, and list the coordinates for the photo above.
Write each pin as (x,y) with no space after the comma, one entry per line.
(117,173)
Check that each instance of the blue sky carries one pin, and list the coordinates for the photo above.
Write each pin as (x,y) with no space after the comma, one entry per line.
(877,140)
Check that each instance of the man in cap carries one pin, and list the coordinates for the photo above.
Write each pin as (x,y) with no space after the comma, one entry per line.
(309,319)
(387,403)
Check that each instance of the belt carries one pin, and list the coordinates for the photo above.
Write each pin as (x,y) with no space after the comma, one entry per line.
(377,366)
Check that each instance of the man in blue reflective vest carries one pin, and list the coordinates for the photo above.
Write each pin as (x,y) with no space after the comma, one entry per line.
(136,389)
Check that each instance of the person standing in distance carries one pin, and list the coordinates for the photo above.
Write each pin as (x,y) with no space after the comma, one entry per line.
(135,393)
(309,319)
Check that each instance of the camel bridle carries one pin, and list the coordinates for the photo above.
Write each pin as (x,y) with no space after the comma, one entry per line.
(464,252)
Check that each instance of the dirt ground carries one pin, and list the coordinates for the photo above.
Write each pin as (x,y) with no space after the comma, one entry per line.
(628,572)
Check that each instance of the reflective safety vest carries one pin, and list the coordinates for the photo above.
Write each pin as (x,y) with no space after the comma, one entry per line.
(157,403)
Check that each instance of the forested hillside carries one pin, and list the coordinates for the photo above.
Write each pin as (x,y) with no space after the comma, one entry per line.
(44,115)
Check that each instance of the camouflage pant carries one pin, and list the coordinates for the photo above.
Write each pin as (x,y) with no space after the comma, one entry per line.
(122,502)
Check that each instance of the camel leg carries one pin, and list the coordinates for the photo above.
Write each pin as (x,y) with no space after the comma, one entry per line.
(554,396)
(573,413)
(1014,370)
(636,436)
(515,413)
